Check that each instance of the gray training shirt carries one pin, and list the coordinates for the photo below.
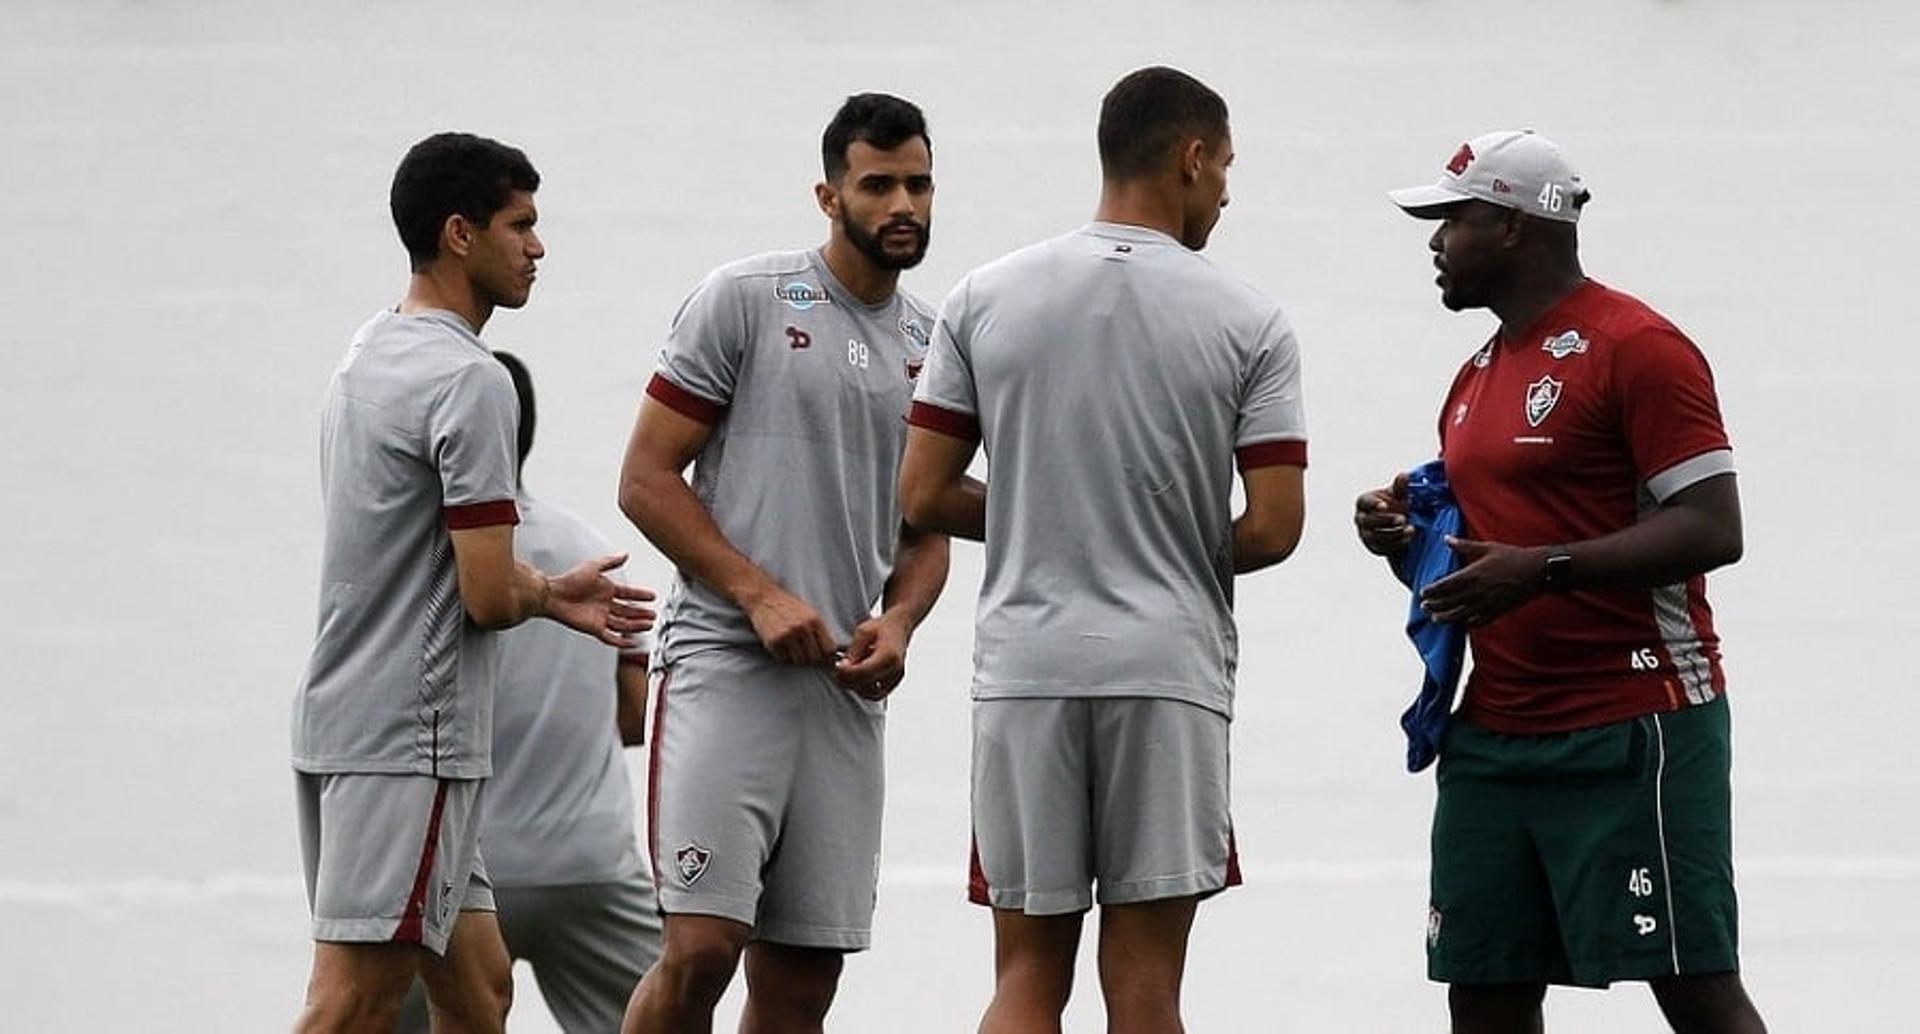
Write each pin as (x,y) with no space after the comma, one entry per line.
(806,388)
(559,808)
(416,438)
(1113,377)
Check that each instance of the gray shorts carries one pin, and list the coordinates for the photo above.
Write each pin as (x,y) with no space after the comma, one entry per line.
(765,798)
(588,943)
(390,858)
(1126,792)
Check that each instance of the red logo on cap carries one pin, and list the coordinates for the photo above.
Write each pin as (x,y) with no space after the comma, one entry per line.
(1458,163)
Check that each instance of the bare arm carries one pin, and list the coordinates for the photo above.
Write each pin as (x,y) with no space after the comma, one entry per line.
(936,495)
(630,699)
(499,591)
(1696,530)
(876,660)
(656,498)
(1276,512)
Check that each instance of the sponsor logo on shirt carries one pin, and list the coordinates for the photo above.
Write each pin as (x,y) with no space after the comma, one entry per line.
(914,366)
(1566,344)
(690,862)
(797,338)
(1542,396)
(1483,357)
(915,331)
(801,295)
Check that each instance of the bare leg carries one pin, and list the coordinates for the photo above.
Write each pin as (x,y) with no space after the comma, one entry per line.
(1709,1003)
(1497,1008)
(470,988)
(697,960)
(1143,955)
(1032,972)
(356,987)
(789,989)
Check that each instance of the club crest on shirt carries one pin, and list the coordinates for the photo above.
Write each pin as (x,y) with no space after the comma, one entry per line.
(1542,396)
(691,863)
(801,295)
(1566,344)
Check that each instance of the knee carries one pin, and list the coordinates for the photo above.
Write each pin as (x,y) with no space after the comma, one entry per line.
(349,1008)
(699,970)
(796,983)
(1041,980)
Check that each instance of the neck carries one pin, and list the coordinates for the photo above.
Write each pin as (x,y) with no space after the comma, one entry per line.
(856,272)
(1141,203)
(1530,297)
(437,288)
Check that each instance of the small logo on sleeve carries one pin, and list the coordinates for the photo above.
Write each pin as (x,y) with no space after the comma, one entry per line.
(1542,396)
(1566,344)
(690,862)
(915,331)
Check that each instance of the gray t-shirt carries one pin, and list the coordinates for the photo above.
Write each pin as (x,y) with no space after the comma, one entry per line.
(559,808)
(1113,377)
(806,388)
(417,437)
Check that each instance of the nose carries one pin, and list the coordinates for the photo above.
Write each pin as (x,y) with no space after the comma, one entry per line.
(535,249)
(1224,198)
(1434,242)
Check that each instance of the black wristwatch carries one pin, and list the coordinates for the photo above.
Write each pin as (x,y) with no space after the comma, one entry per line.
(1559,571)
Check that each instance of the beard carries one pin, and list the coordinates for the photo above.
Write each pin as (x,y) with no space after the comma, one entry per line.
(871,245)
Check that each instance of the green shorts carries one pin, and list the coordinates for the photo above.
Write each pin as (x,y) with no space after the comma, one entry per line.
(1584,857)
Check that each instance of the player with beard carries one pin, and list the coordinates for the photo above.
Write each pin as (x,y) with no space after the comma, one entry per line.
(784,383)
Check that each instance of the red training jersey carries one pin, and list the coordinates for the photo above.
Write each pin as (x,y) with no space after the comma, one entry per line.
(1572,429)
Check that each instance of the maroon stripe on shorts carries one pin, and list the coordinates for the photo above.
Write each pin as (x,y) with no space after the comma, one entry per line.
(653,780)
(977,891)
(412,920)
(1233,858)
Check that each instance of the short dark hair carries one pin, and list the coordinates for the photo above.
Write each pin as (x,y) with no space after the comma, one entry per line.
(453,174)
(881,119)
(1151,111)
(523,387)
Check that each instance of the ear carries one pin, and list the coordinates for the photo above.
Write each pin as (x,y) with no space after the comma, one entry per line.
(828,198)
(1193,156)
(456,236)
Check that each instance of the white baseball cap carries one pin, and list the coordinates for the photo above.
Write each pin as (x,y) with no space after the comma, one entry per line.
(1512,168)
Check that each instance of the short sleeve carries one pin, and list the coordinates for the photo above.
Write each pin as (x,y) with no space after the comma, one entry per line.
(1271,426)
(700,364)
(945,399)
(1669,412)
(471,430)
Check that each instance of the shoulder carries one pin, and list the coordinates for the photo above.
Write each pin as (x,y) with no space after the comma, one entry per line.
(766,269)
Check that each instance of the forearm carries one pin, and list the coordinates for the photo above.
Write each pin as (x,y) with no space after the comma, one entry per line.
(919,574)
(666,511)
(1257,545)
(958,509)
(1667,546)
(630,702)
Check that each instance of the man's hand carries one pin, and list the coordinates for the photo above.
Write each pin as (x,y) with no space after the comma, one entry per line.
(1380,516)
(586,600)
(790,628)
(1493,579)
(876,660)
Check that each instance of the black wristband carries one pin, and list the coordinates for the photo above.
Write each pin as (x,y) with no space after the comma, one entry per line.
(1559,571)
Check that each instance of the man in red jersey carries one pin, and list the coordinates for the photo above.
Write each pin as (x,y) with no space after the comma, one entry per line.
(1582,831)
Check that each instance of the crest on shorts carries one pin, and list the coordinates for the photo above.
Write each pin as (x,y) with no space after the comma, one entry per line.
(1566,344)
(691,863)
(1542,396)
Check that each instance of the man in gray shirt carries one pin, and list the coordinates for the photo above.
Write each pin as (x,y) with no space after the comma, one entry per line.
(392,725)
(784,381)
(572,894)
(1115,379)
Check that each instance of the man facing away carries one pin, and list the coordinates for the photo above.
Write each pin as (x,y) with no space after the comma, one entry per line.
(1582,831)
(570,891)
(784,382)
(1115,378)
(392,726)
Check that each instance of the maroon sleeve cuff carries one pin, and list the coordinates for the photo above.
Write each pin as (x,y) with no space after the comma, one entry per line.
(1271,454)
(481,515)
(685,402)
(944,421)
